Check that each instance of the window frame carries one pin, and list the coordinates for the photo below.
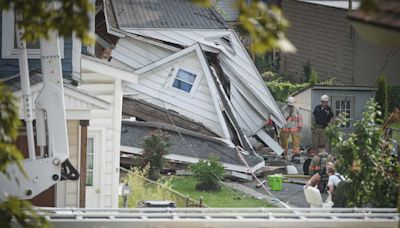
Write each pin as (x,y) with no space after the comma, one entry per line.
(87,160)
(173,77)
(341,99)
(8,51)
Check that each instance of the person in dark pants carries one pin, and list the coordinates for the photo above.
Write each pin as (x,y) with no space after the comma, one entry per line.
(322,117)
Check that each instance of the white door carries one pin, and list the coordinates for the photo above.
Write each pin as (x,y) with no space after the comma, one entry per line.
(93,155)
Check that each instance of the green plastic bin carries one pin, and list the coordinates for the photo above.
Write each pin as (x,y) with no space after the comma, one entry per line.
(275,182)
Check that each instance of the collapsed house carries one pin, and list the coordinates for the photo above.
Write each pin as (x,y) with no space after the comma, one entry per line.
(195,79)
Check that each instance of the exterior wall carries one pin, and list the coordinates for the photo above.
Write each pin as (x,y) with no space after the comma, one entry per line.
(303,103)
(155,87)
(137,54)
(106,123)
(9,67)
(372,60)
(72,187)
(323,36)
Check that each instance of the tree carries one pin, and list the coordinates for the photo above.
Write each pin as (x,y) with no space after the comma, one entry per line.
(155,147)
(366,159)
(381,96)
(20,210)
(208,173)
(38,19)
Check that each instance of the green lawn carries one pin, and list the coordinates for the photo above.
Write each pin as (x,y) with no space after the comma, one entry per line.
(223,198)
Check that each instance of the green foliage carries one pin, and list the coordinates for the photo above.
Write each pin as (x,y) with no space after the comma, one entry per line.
(143,189)
(364,158)
(208,172)
(38,19)
(265,24)
(313,80)
(155,147)
(21,211)
(394,98)
(9,123)
(307,71)
(280,90)
(381,96)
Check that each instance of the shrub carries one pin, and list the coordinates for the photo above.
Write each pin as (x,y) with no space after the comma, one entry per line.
(365,158)
(381,96)
(142,189)
(155,147)
(208,173)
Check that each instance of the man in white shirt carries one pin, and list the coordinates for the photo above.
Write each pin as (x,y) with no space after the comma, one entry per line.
(334,179)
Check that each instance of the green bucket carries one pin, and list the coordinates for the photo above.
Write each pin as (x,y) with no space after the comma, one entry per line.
(275,182)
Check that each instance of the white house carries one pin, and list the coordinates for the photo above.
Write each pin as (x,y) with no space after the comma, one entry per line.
(190,63)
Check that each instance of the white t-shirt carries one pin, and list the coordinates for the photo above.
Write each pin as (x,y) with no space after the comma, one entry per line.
(334,179)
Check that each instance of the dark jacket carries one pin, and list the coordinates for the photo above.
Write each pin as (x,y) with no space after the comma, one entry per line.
(322,116)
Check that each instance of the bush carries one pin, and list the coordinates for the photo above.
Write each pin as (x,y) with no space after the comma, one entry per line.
(142,189)
(365,158)
(208,174)
(280,90)
(381,96)
(155,147)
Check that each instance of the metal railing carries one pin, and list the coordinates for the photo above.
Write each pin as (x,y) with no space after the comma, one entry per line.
(222,217)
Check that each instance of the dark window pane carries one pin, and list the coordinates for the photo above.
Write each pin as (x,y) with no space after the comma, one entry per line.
(89,178)
(348,104)
(337,104)
(182,85)
(186,76)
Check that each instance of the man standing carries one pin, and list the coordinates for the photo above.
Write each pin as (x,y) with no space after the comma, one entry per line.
(292,128)
(322,117)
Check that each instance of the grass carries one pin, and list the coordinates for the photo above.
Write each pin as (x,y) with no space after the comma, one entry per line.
(223,198)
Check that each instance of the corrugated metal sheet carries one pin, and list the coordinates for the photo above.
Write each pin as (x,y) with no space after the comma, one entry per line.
(180,14)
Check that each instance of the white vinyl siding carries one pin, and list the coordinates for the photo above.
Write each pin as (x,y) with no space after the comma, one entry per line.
(155,87)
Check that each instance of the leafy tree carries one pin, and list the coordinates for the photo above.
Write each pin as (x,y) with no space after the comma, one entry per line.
(208,173)
(280,90)
(307,70)
(381,96)
(313,79)
(20,210)
(365,158)
(155,147)
(38,18)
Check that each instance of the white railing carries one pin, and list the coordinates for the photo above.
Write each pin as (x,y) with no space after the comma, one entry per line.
(222,217)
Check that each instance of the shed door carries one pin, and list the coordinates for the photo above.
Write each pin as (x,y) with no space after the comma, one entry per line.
(344,104)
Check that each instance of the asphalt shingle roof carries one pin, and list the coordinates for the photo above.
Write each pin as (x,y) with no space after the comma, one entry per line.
(132,135)
(178,14)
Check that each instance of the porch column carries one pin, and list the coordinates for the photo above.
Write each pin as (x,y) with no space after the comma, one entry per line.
(82,171)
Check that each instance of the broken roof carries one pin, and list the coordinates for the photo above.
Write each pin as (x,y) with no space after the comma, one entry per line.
(178,14)
(185,143)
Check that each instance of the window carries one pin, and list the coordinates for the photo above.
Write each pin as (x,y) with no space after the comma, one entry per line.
(184,80)
(9,42)
(89,161)
(344,105)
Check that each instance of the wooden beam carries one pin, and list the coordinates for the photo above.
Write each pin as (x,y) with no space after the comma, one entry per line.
(82,170)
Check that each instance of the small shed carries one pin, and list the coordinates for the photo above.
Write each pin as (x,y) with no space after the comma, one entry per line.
(349,99)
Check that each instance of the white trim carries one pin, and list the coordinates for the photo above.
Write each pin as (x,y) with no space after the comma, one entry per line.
(192,160)
(195,84)
(214,92)
(156,43)
(102,131)
(117,122)
(96,102)
(165,60)
(108,27)
(8,51)
(114,72)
